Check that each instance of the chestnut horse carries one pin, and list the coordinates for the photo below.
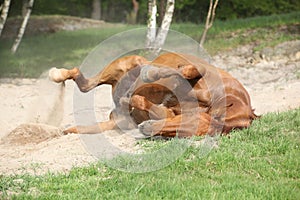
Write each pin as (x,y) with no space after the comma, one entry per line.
(174,95)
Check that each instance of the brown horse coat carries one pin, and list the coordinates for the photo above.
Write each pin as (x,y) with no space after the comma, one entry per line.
(174,95)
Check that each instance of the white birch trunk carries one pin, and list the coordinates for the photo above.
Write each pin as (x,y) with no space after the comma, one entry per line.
(151,32)
(23,27)
(164,29)
(4,13)
(156,41)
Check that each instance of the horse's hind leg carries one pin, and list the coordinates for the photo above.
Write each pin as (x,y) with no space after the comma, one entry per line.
(111,74)
(84,84)
(92,129)
(115,121)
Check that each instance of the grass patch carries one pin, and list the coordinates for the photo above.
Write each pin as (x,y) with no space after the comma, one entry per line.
(39,53)
(263,31)
(68,48)
(261,162)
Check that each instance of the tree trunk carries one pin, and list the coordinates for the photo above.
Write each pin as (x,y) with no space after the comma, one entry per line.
(165,25)
(161,10)
(24,8)
(132,16)
(151,32)
(96,10)
(135,6)
(135,11)
(209,20)
(156,41)
(23,27)
(4,13)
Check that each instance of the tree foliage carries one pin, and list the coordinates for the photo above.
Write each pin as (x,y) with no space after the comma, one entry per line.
(185,10)
(231,9)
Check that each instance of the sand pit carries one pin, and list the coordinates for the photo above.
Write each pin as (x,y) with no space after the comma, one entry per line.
(34,111)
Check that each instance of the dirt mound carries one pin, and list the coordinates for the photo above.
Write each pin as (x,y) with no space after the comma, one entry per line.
(31,134)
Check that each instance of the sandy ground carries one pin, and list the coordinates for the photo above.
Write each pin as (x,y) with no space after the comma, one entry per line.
(27,105)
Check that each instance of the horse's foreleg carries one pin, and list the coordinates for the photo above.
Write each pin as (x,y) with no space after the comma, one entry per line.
(155,111)
(96,128)
(185,125)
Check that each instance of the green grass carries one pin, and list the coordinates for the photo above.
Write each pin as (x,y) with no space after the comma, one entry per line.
(262,31)
(262,162)
(64,49)
(242,24)
(39,53)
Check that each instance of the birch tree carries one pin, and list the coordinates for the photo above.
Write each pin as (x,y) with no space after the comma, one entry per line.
(161,9)
(23,27)
(156,39)
(4,12)
(209,19)
(151,24)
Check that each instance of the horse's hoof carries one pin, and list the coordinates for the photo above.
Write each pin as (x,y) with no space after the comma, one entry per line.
(56,75)
(146,128)
(73,130)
